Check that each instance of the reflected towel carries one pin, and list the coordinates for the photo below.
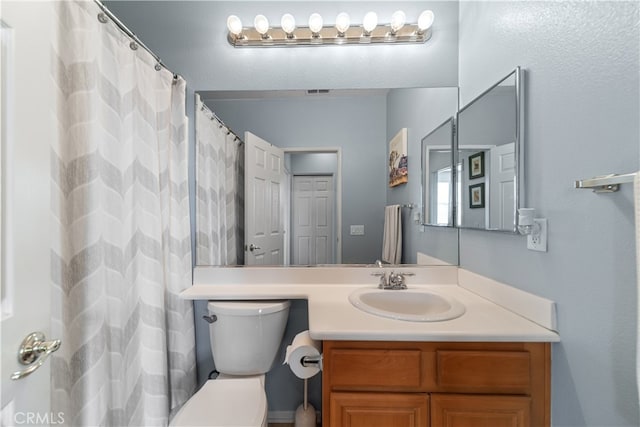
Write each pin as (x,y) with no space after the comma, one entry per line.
(392,236)
(636,185)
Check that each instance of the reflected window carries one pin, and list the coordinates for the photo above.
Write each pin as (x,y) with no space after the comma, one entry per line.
(443,195)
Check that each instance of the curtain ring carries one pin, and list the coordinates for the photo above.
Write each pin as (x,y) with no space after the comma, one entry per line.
(133,45)
(158,67)
(102,17)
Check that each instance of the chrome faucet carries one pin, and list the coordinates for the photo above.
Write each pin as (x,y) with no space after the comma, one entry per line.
(395,281)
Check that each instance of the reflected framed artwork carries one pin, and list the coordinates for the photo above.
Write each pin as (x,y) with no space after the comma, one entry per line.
(476,165)
(398,171)
(476,196)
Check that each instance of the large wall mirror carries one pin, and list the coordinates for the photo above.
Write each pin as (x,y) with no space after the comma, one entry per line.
(336,152)
(489,157)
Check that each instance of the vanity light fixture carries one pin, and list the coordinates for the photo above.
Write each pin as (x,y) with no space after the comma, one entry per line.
(342,31)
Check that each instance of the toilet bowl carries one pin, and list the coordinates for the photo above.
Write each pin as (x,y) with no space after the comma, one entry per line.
(245,338)
(226,402)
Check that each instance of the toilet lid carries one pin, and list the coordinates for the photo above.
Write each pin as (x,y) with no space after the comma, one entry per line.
(225,403)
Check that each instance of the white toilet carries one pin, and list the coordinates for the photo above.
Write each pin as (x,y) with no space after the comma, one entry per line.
(245,337)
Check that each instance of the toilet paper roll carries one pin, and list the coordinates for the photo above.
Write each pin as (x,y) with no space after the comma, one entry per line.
(301,346)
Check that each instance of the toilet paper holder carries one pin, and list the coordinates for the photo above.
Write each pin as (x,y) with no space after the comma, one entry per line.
(308,361)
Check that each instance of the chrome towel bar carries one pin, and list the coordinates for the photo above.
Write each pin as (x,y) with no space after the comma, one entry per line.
(606,183)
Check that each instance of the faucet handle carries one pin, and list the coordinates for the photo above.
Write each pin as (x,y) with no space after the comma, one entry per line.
(396,280)
(383,279)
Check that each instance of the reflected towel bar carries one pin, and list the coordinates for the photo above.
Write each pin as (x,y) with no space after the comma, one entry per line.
(409,205)
(606,183)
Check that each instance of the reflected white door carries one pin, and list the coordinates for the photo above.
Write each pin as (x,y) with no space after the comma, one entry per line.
(263,214)
(502,187)
(27,127)
(312,216)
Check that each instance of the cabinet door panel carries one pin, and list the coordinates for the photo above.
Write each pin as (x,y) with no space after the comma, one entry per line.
(484,371)
(392,369)
(379,410)
(451,410)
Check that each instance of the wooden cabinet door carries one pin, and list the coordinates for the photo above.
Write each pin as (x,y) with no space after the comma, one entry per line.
(370,409)
(459,410)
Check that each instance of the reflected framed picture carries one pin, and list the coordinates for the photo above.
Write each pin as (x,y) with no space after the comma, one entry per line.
(476,165)
(476,196)
(398,171)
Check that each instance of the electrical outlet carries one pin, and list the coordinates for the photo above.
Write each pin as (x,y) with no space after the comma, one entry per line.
(539,241)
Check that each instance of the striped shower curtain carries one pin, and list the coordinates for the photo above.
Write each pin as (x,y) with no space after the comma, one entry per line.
(219,192)
(121,245)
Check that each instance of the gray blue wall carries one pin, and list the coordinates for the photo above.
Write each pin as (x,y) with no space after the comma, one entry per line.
(420,111)
(582,90)
(582,120)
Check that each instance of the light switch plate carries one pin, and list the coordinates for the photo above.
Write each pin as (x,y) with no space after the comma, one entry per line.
(357,230)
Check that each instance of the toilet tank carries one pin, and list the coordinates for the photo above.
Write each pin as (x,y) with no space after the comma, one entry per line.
(246,335)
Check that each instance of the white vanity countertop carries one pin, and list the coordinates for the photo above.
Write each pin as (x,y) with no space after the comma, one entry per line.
(333,317)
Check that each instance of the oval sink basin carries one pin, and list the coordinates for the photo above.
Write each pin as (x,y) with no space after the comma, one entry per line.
(408,304)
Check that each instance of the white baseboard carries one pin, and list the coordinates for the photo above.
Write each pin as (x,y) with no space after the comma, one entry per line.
(281,416)
(287,416)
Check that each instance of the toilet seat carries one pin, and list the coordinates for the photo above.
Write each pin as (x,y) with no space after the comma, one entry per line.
(227,402)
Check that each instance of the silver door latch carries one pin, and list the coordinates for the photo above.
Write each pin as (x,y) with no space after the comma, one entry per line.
(33,352)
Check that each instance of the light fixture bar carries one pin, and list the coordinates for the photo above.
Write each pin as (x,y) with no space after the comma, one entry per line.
(303,36)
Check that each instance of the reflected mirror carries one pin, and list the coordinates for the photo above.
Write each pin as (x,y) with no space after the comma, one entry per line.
(337,141)
(489,150)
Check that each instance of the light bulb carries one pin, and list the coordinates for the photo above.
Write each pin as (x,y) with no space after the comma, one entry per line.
(397,20)
(342,22)
(234,25)
(370,22)
(315,23)
(425,20)
(261,24)
(288,23)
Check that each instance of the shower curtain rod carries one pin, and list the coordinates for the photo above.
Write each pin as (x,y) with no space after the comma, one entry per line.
(131,34)
(219,120)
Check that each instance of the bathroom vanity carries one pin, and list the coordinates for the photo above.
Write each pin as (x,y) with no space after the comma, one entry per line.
(489,366)
(382,383)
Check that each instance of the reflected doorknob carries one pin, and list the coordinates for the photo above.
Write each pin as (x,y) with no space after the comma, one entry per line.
(253,247)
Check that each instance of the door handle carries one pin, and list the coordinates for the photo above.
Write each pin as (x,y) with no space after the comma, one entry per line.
(253,247)
(33,352)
